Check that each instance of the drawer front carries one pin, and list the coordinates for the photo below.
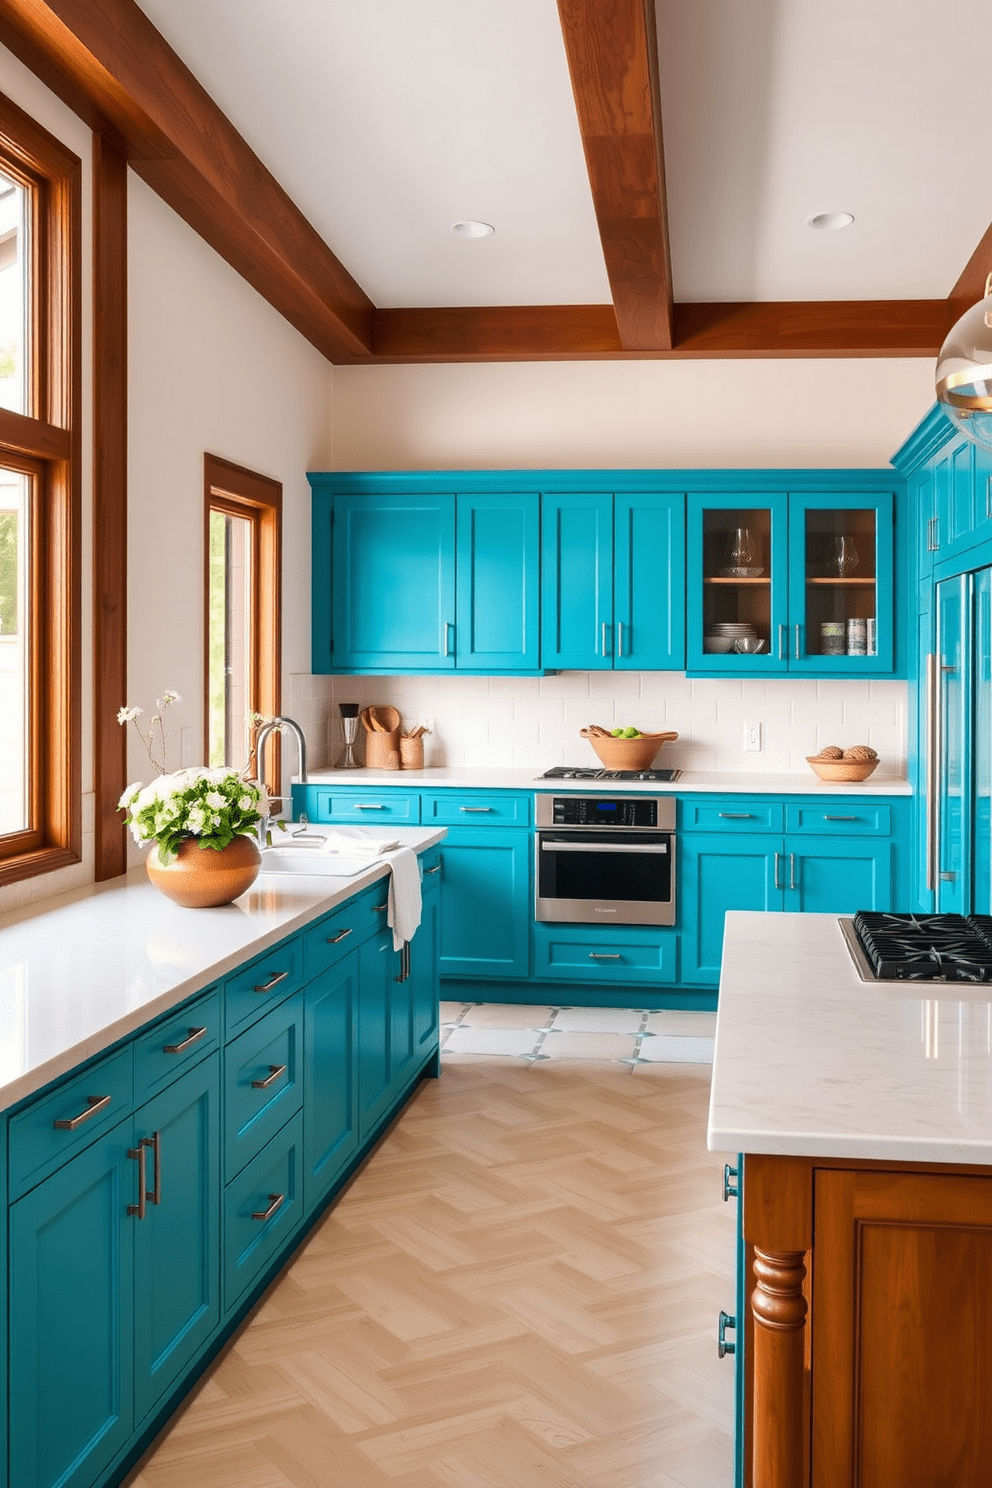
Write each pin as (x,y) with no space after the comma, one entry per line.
(262,1208)
(86,1106)
(176,1044)
(842,818)
(325,943)
(373,807)
(568,954)
(738,814)
(430,869)
(263,1083)
(371,909)
(477,809)
(253,990)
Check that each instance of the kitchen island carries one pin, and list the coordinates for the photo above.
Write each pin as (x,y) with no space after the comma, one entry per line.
(864,1116)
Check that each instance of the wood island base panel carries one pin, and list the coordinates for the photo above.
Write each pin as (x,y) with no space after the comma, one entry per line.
(214,1077)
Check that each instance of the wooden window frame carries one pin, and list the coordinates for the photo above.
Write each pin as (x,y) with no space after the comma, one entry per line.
(257,499)
(46,443)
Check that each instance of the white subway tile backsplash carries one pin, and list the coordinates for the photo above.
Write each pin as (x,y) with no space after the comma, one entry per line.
(534,722)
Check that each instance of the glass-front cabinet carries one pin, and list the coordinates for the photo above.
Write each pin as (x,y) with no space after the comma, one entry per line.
(784,582)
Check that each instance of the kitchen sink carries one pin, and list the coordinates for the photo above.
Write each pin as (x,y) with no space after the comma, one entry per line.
(307,854)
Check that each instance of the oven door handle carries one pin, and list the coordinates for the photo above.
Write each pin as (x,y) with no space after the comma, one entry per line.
(597,847)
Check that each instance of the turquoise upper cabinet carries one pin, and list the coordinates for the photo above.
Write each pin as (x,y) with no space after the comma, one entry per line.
(412,577)
(577,600)
(392,597)
(950,485)
(787,573)
(497,585)
(612,590)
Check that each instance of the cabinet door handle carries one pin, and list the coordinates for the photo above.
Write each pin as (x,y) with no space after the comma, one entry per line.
(838,818)
(280,976)
(475,808)
(333,939)
(378,908)
(736,815)
(368,806)
(777,884)
(194,1034)
(619,637)
(448,628)
(722,1346)
(155,1143)
(275,1071)
(730,1191)
(603,640)
(276,1201)
(781,642)
(429,871)
(138,1153)
(792,871)
(94,1103)
(796,654)
(603,956)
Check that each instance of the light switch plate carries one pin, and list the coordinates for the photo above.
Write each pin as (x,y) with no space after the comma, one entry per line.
(752,736)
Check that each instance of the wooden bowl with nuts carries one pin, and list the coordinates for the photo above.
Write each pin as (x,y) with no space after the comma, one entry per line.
(847,766)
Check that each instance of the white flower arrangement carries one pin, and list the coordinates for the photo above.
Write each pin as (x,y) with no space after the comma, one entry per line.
(213,805)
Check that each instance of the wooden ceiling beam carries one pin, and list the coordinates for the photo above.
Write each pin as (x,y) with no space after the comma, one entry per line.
(107,61)
(612,50)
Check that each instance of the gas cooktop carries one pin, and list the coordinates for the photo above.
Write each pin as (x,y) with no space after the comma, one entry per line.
(920,948)
(582,772)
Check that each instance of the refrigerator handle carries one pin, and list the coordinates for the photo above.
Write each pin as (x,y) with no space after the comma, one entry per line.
(932,730)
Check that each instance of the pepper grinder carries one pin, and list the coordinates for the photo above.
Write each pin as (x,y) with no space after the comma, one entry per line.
(349,722)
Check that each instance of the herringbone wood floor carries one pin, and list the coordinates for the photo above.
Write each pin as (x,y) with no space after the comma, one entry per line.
(519,1289)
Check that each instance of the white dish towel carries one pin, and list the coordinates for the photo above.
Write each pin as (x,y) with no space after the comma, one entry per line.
(404,898)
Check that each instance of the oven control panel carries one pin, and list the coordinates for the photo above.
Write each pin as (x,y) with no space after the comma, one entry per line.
(605,811)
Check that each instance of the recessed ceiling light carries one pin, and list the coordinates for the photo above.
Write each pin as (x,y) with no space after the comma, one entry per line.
(830,221)
(472,229)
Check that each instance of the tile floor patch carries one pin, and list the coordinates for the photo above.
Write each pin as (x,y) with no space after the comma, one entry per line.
(506,1015)
(662,1049)
(599,1020)
(628,1037)
(681,1021)
(589,1046)
(520,1041)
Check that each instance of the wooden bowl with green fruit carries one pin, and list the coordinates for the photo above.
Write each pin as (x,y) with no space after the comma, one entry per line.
(625,748)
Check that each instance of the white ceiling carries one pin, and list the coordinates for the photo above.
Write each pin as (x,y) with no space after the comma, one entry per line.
(387,120)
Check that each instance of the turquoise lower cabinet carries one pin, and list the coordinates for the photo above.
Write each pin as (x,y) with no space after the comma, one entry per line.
(375,973)
(263,1082)
(486,909)
(330,1095)
(824,877)
(177,1242)
(423,962)
(631,954)
(262,1208)
(70,1317)
(721,871)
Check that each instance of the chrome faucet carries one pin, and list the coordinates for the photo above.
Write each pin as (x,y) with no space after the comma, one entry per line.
(278,725)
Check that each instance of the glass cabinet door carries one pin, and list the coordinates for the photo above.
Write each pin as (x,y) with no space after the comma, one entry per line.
(840,589)
(737,558)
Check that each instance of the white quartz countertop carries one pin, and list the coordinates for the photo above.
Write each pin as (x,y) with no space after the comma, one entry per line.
(881,783)
(812,1061)
(84,969)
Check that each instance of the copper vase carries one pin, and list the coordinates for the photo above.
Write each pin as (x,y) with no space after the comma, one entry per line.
(200,877)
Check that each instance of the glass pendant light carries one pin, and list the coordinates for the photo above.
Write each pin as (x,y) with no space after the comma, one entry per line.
(964,372)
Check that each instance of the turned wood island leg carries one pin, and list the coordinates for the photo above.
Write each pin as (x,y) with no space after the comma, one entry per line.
(779,1310)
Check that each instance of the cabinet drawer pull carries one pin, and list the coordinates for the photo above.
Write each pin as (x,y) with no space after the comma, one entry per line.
(138,1153)
(94,1103)
(429,871)
(379,908)
(275,1071)
(475,808)
(280,976)
(194,1034)
(722,1346)
(838,818)
(276,1201)
(368,806)
(737,815)
(155,1143)
(602,956)
(730,1189)
(333,939)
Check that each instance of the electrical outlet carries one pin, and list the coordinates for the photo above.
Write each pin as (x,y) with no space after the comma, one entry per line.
(185,747)
(752,736)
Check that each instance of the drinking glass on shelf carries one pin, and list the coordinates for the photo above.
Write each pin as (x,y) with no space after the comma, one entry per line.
(742,549)
(845,557)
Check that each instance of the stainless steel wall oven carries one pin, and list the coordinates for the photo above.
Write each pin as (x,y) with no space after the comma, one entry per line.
(605,860)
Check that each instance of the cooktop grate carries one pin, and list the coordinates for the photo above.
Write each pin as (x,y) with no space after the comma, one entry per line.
(589,772)
(926,948)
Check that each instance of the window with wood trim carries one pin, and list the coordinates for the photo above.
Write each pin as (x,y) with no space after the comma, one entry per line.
(40,292)
(243,545)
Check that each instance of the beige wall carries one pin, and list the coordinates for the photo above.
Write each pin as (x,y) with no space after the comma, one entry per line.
(621,414)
